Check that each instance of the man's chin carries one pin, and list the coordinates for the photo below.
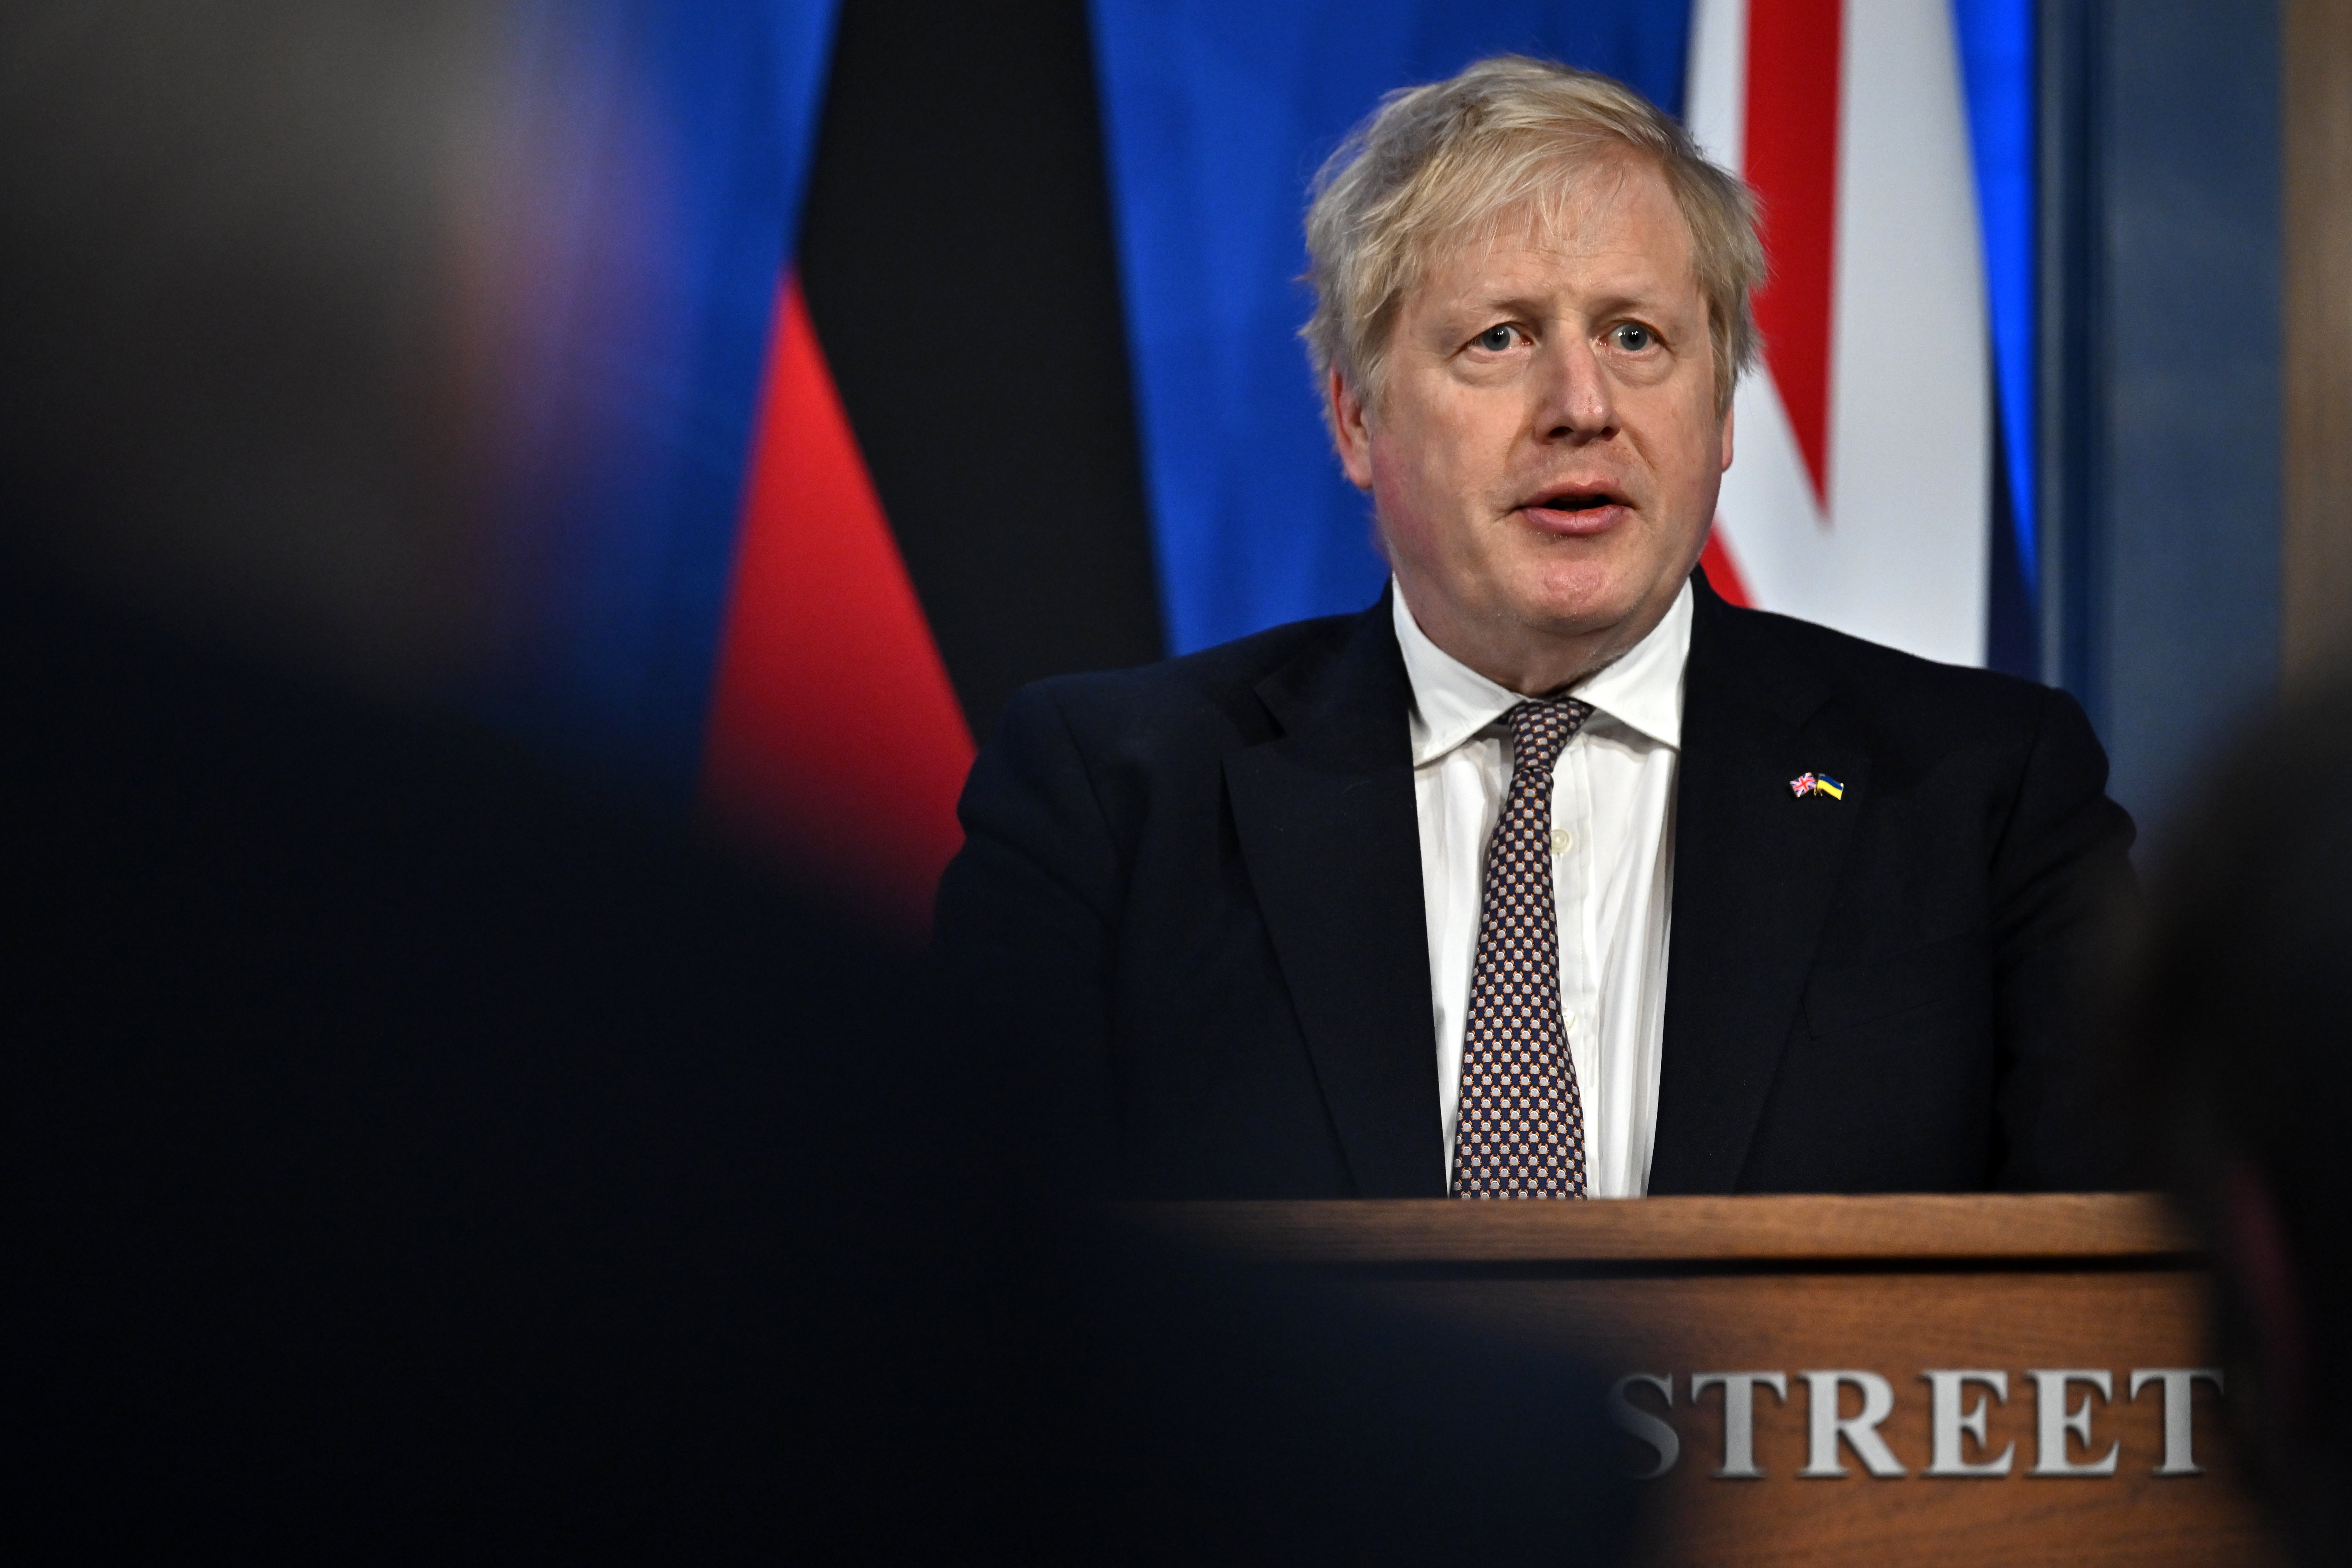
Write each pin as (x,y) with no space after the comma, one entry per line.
(1580,608)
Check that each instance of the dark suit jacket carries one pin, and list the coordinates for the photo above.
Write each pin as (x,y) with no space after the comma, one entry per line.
(1188,914)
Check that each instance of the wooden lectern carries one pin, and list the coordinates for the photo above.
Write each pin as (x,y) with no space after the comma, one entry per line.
(1846,1380)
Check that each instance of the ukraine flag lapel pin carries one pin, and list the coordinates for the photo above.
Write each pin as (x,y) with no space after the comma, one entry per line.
(1821,785)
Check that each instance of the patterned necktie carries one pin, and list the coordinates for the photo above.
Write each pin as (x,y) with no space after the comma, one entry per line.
(1520,1133)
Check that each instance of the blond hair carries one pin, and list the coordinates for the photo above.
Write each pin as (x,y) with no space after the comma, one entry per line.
(1441,163)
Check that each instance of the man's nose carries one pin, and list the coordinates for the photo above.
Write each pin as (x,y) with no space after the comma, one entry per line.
(1578,399)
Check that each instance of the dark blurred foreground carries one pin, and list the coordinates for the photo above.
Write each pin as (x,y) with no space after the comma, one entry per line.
(406,1153)
(2239,1023)
(406,1157)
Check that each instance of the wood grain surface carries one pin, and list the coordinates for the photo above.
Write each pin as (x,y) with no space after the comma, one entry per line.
(1897,1286)
(2120,1226)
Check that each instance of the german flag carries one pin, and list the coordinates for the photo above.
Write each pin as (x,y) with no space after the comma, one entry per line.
(945,499)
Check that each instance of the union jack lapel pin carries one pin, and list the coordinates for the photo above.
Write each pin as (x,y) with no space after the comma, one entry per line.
(1822,785)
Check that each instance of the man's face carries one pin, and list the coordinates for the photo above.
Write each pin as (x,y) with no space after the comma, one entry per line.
(1544,451)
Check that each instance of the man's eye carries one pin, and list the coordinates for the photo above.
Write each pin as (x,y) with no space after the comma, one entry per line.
(1631,336)
(1494,340)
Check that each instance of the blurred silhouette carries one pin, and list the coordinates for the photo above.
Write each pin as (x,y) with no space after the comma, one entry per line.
(407,1153)
(2235,1017)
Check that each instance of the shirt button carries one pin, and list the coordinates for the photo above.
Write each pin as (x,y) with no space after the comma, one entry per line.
(1567,1020)
(1562,840)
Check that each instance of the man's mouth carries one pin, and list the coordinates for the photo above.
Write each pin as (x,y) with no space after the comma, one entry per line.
(1576,510)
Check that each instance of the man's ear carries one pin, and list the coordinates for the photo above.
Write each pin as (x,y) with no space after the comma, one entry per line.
(1350,432)
(1726,439)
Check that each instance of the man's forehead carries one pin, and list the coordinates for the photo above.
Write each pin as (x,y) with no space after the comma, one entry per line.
(1612,224)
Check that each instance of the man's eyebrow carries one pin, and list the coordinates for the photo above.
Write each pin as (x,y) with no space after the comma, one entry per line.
(1653,300)
(1506,304)
(1657,302)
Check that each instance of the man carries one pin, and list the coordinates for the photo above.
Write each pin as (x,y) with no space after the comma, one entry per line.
(1551,874)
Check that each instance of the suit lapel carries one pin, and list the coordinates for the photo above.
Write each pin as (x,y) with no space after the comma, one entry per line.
(1331,837)
(1755,867)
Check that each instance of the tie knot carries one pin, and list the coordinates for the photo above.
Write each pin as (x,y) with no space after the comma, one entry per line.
(1541,729)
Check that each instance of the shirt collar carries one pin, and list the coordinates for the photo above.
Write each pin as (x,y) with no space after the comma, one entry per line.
(1452,702)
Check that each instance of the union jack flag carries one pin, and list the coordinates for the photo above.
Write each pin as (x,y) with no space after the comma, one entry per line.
(1802,785)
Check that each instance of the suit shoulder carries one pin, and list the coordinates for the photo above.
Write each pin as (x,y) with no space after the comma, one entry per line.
(1887,678)
(1214,690)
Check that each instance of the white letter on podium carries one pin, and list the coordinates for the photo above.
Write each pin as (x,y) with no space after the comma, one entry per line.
(1644,1426)
(1861,1431)
(1949,1424)
(2055,1421)
(2179,1406)
(1740,1416)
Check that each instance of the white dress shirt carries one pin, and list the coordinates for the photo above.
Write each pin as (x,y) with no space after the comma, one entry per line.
(1613,813)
